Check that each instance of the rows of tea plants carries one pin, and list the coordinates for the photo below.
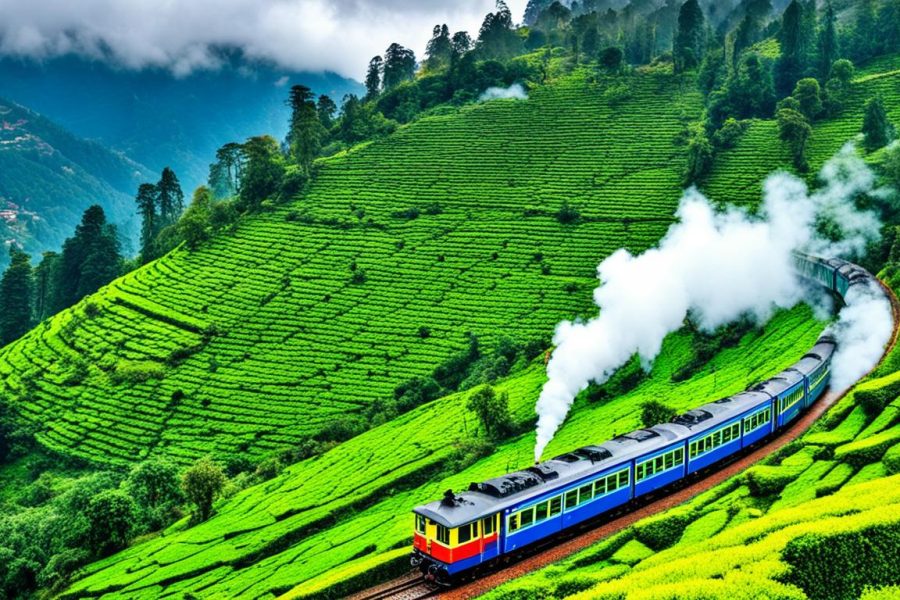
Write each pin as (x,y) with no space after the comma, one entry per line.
(838,487)
(318,307)
(326,520)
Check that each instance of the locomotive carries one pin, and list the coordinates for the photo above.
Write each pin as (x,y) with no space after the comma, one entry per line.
(499,517)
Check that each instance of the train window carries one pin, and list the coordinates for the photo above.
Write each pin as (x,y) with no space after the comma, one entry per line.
(585,493)
(600,486)
(527,517)
(556,506)
(571,498)
(465,534)
(670,460)
(514,522)
(726,435)
(659,464)
(639,472)
(623,478)
(541,511)
(420,523)
(488,525)
(679,456)
(443,534)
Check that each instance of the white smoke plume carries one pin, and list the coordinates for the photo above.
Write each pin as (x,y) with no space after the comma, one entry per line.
(863,330)
(515,92)
(715,265)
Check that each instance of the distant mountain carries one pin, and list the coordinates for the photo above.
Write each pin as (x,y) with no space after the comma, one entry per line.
(156,118)
(48,177)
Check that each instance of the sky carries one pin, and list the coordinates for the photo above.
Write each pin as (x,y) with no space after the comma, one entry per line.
(182,35)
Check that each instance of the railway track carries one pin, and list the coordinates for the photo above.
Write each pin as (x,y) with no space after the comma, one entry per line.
(581,539)
(408,587)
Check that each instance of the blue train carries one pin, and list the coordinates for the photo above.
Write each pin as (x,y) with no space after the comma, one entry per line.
(503,515)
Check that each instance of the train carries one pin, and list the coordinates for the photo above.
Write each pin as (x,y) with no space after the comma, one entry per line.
(501,517)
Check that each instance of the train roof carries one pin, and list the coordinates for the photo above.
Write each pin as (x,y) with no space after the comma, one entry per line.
(853,273)
(821,352)
(499,493)
(709,415)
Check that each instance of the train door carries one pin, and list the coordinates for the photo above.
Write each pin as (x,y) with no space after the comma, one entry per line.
(490,537)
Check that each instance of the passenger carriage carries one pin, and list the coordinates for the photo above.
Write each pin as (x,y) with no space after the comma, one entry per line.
(502,516)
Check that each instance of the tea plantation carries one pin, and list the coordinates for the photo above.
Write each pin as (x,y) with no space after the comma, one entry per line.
(322,306)
(327,520)
(820,520)
(371,277)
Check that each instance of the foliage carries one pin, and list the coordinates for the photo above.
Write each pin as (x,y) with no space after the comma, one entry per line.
(654,412)
(110,518)
(262,172)
(202,484)
(690,42)
(866,557)
(794,129)
(155,488)
(876,127)
(492,410)
(15,297)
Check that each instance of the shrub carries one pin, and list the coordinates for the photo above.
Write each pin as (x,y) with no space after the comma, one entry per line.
(135,372)
(654,412)
(874,400)
(110,517)
(567,214)
(891,460)
(492,410)
(868,450)
(202,484)
(841,565)
(729,133)
(766,480)
(358,277)
(155,488)
(658,533)
(270,468)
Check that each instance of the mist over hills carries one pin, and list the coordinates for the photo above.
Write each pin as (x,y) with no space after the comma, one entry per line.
(48,177)
(159,119)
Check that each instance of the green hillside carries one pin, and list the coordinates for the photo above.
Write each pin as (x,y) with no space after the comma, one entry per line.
(820,519)
(48,177)
(317,308)
(325,520)
(331,523)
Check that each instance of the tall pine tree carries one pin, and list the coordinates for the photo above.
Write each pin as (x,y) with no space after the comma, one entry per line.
(147,199)
(690,37)
(15,297)
(828,41)
(373,77)
(306,132)
(90,259)
(170,198)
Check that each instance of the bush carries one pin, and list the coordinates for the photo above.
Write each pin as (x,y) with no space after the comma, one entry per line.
(661,532)
(654,412)
(868,450)
(842,565)
(891,460)
(202,484)
(358,277)
(492,410)
(874,400)
(110,517)
(729,133)
(766,480)
(135,372)
(155,488)
(567,214)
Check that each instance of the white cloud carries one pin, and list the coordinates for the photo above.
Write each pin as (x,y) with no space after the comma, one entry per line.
(184,35)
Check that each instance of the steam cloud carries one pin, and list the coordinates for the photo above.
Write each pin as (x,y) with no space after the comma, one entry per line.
(863,331)
(515,92)
(719,266)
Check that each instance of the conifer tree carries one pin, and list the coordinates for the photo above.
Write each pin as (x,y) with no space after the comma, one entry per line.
(690,37)
(828,41)
(45,278)
(306,133)
(373,77)
(147,200)
(15,297)
(877,128)
(399,65)
(169,197)
(439,49)
(326,109)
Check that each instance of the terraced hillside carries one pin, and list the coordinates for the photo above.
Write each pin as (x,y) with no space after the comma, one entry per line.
(325,305)
(820,519)
(331,524)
